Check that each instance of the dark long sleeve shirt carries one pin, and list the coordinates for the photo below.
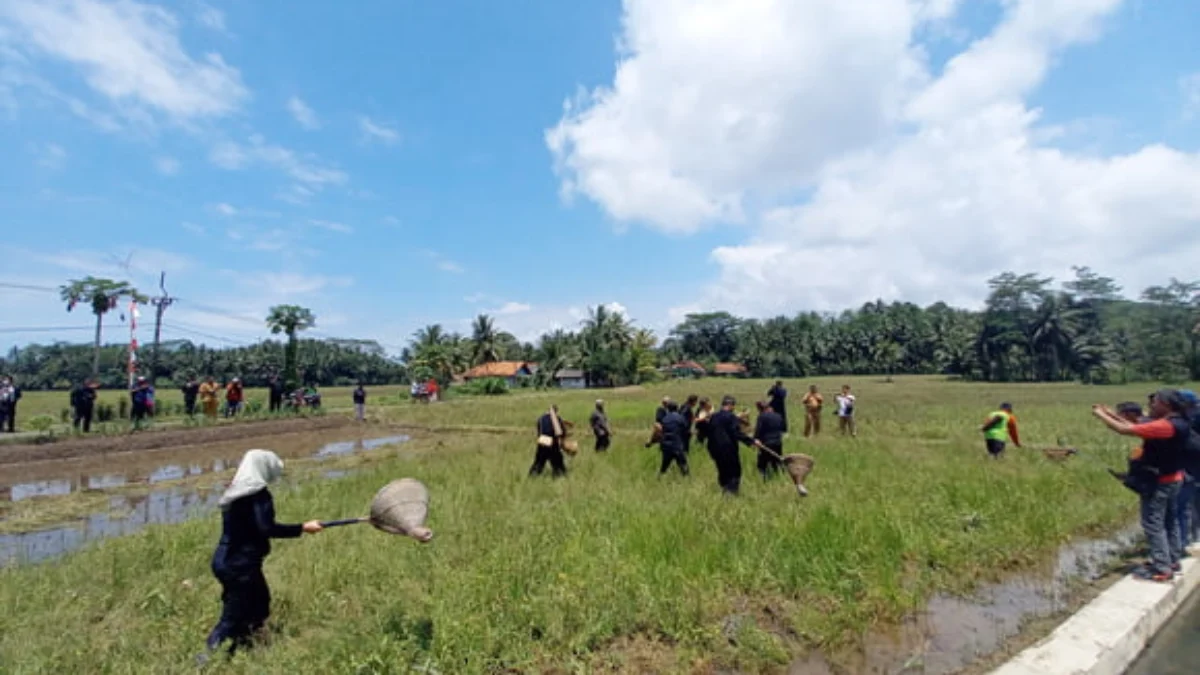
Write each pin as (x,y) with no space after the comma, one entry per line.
(247,528)
(688,414)
(725,432)
(778,399)
(674,430)
(769,429)
(659,415)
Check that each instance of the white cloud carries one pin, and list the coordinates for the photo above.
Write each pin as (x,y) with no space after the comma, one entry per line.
(288,284)
(331,226)
(443,263)
(212,18)
(225,209)
(51,156)
(917,186)
(305,170)
(195,229)
(376,131)
(303,114)
(167,166)
(510,308)
(390,220)
(128,52)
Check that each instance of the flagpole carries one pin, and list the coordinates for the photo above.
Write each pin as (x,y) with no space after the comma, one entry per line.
(133,313)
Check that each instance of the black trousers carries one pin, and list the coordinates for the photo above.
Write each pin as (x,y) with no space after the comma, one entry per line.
(8,417)
(554,456)
(768,464)
(189,406)
(245,607)
(995,448)
(729,469)
(138,412)
(602,442)
(673,455)
(276,403)
(83,418)
(687,444)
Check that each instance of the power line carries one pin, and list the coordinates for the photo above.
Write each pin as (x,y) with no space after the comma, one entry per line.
(180,329)
(43,329)
(27,287)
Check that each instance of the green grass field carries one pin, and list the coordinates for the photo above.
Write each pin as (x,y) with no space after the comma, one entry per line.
(612,569)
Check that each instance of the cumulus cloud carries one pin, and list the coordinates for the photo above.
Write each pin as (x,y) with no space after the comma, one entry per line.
(917,185)
(332,226)
(303,114)
(128,52)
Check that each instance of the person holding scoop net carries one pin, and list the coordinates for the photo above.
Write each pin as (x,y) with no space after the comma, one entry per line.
(247,527)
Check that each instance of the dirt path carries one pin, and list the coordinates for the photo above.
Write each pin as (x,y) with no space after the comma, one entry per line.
(70,448)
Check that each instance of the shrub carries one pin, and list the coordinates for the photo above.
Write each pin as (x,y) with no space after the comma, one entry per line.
(488,386)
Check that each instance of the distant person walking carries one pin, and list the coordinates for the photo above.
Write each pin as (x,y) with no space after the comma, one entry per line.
(777,396)
(600,427)
(845,412)
(233,397)
(208,397)
(360,403)
(999,427)
(550,430)
(674,429)
(139,399)
(83,404)
(689,410)
(274,394)
(8,404)
(768,431)
(190,390)
(813,403)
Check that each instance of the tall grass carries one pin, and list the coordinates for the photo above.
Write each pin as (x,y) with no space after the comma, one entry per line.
(612,568)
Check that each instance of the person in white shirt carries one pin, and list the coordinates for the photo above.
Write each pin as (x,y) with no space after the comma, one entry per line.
(845,411)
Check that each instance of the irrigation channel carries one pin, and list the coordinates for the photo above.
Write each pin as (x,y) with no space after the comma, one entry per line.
(1175,650)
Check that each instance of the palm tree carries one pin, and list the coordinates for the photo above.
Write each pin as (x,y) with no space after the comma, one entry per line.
(290,319)
(102,295)
(484,340)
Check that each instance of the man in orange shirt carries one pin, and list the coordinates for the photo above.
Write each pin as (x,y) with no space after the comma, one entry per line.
(1158,476)
(812,401)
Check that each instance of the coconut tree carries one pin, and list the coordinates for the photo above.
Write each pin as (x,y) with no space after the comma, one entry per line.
(101,295)
(290,320)
(484,340)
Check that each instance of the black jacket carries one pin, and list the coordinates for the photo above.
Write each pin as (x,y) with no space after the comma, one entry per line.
(190,391)
(1169,455)
(360,395)
(674,431)
(247,528)
(769,429)
(83,398)
(545,427)
(660,414)
(688,414)
(724,433)
(778,399)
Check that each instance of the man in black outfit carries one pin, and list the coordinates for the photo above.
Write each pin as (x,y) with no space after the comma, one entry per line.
(190,390)
(275,388)
(688,411)
(600,427)
(549,448)
(674,431)
(724,433)
(769,431)
(658,417)
(83,401)
(778,402)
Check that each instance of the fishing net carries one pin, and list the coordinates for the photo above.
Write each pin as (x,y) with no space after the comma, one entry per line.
(798,467)
(400,507)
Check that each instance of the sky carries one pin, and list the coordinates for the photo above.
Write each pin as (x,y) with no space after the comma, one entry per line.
(394,163)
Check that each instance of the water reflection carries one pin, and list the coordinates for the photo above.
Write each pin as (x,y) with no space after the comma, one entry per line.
(164,506)
(171,472)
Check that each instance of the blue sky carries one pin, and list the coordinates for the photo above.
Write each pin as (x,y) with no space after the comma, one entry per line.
(394,164)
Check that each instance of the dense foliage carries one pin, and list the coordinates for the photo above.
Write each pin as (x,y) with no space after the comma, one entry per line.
(1028,331)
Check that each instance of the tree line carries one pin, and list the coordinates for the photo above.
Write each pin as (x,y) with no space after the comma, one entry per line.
(1029,330)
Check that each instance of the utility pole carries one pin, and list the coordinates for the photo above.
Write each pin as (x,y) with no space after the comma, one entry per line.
(161,303)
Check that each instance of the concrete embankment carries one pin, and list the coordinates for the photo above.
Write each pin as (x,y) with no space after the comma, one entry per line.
(1107,635)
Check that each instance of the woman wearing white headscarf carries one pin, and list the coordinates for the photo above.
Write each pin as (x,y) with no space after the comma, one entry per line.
(248,525)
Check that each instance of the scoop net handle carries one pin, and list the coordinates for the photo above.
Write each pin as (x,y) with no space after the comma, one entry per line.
(346,521)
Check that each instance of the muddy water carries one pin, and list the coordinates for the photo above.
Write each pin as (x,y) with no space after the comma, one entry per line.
(164,506)
(952,633)
(62,477)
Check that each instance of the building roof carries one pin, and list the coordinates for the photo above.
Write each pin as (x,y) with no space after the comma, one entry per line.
(498,369)
(729,369)
(569,374)
(688,365)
